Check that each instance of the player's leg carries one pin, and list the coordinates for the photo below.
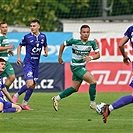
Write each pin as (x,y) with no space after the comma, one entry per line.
(31,81)
(76,82)
(7,107)
(122,101)
(9,80)
(10,74)
(20,91)
(27,70)
(31,86)
(67,92)
(88,77)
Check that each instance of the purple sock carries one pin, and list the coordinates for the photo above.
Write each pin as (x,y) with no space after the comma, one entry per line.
(23,89)
(123,101)
(9,110)
(28,94)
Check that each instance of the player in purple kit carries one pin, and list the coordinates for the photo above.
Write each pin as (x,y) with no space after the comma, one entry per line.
(6,106)
(34,42)
(125,100)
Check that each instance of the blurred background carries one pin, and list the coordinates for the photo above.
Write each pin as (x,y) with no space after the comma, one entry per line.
(52,13)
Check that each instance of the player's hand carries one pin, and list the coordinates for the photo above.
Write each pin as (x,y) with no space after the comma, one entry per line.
(19,62)
(10,53)
(87,58)
(46,54)
(126,60)
(60,60)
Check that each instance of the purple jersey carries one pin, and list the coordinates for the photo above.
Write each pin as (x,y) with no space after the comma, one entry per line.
(129,34)
(2,98)
(34,46)
(1,86)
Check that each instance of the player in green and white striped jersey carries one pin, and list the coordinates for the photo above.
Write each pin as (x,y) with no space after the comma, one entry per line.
(80,56)
(5,50)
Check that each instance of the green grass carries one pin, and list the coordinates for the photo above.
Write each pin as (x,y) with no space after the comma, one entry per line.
(74,116)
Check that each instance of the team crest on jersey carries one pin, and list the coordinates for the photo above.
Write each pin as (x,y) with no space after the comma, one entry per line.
(42,41)
(29,74)
(37,44)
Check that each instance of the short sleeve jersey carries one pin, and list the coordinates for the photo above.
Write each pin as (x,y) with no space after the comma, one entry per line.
(129,34)
(33,46)
(1,86)
(4,42)
(80,49)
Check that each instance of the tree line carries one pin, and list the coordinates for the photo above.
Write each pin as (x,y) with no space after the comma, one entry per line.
(50,12)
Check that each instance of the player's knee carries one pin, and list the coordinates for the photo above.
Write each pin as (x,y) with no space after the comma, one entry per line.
(93,82)
(31,85)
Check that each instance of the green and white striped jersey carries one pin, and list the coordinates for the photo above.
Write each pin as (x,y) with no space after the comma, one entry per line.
(80,49)
(4,42)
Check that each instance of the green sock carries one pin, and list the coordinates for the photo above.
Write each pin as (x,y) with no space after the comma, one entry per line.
(92,92)
(67,92)
(7,87)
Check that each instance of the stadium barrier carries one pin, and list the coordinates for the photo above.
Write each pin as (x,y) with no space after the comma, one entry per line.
(51,78)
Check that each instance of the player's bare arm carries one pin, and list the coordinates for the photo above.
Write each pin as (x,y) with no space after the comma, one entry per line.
(7,94)
(9,47)
(19,61)
(126,59)
(60,53)
(46,51)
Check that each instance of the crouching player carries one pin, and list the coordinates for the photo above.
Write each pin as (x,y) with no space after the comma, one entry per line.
(6,106)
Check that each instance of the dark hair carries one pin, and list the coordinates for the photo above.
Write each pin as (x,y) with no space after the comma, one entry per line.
(2,60)
(3,22)
(84,26)
(35,21)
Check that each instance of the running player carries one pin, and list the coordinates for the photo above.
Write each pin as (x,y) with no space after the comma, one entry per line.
(6,106)
(33,42)
(123,101)
(80,56)
(5,50)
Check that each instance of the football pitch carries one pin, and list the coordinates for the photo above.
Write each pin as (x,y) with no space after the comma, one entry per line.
(74,116)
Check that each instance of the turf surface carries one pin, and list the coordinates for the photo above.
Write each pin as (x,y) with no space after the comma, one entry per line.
(74,116)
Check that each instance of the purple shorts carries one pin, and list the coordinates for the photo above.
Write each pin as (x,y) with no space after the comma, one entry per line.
(31,73)
(6,103)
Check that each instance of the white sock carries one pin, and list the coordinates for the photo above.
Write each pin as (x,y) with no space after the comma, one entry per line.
(111,108)
(17,95)
(24,103)
(58,98)
(92,102)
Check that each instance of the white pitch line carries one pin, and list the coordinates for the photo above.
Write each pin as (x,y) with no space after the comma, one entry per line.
(67,119)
